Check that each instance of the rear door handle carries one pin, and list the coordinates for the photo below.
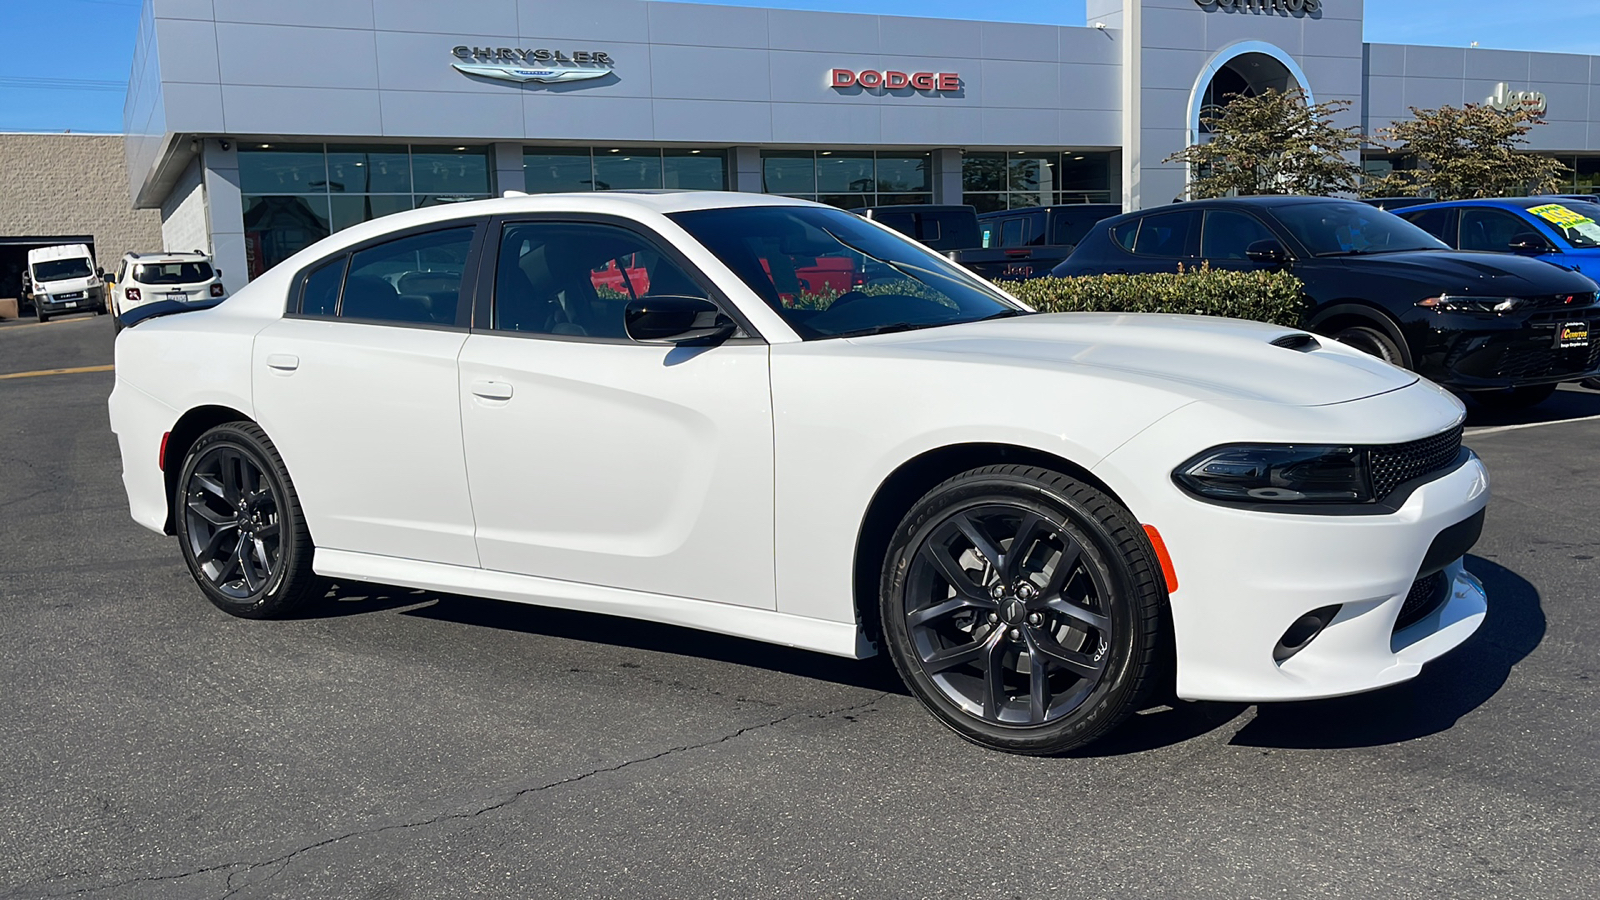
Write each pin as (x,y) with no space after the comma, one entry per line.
(491,390)
(283,362)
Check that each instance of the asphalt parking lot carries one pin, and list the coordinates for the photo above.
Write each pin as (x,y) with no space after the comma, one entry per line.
(400,744)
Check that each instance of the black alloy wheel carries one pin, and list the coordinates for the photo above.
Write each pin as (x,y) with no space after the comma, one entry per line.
(239,525)
(1022,608)
(1373,342)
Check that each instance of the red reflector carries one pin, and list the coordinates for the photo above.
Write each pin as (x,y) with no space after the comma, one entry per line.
(217,290)
(161,460)
(133,294)
(1165,558)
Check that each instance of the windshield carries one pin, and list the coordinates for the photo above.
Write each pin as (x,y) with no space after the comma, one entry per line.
(172,273)
(1574,220)
(829,273)
(61,269)
(1346,228)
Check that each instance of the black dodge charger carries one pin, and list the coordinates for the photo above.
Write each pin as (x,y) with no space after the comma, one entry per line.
(1504,328)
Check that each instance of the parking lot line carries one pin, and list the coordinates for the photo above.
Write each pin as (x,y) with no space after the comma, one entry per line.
(1479,432)
(51,322)
(75,371)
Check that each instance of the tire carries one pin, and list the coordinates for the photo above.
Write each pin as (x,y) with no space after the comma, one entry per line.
(1374,341)
(964,620)
(42,317)
(233,490)
(1513,399)
(116,324)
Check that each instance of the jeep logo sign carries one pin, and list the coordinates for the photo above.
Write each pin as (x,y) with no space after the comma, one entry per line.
(871,79)
(1295,7)
(1504,98)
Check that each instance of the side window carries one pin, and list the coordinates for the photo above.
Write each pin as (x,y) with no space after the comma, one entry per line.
(1036,228)
(1229,233)
(1014,232)
(1124,234)
(319,294)
(122,269)
(1436,222)
(1166,234)
(575,279)
(411,279)
(1490,229)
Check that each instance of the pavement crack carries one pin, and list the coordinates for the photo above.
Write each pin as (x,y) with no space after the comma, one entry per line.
(239,871)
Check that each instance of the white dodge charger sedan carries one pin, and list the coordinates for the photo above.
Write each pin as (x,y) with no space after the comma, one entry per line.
(773,419)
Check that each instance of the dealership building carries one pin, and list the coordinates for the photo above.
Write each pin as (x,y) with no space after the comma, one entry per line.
(257,128)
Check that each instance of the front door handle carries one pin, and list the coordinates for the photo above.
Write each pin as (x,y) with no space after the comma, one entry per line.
(491,390)
(283,362)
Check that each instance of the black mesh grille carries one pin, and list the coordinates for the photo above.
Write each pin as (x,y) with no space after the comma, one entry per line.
(1425,596)
(1395,464)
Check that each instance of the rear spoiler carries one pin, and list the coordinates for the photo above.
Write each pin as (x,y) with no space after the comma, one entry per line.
(165,308)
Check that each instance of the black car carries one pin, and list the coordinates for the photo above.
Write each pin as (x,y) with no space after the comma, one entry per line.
(939,227)
(1506,328)
(1029,242)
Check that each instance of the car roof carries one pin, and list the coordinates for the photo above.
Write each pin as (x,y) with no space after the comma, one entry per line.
(60,251)
(1068,206)
(167,256)
(1500,202)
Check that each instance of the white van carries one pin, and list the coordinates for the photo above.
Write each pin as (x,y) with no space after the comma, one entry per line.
(64,279)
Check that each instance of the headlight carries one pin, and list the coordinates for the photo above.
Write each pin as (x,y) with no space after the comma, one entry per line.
(1448,303)
(1278,473)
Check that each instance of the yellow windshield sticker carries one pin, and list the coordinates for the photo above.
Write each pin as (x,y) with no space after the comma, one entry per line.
(1557,214)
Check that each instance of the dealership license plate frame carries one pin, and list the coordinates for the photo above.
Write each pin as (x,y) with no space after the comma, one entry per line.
(1572,335)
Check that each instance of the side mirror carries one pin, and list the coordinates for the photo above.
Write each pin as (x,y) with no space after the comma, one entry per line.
(1267,252)
(99,272)
(218,271)
(1528,242)
(676,320)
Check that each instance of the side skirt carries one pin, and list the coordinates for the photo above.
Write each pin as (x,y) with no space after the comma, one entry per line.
(835,638)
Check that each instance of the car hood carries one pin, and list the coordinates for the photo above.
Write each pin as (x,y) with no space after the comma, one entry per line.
(1474,273)
(66,285)
(1202,357)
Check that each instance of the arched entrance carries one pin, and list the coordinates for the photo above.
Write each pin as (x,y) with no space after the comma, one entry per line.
(1244,69)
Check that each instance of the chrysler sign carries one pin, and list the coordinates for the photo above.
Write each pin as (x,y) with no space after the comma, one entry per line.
(523,66)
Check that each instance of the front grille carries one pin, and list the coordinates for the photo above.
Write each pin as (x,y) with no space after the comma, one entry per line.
(1559,301)
(1424,597)
(1394,464)
(1542,359)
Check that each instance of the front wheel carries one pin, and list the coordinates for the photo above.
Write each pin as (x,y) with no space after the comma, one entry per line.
(1513,399)
(1023,609)
(240,526)
(1373,342)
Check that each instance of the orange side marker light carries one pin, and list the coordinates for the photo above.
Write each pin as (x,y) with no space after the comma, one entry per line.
(1165,558)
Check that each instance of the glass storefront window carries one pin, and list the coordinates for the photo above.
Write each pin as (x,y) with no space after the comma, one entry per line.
(443,199)
(276,228)
(450,170)
(1586,174)
(621,170)
(695,170)
(905,173)
(551,170)
(788,172)
(282,169)
(846,201)
(353,209)
(983,172)
(844,172)
(998,181)
(369,170)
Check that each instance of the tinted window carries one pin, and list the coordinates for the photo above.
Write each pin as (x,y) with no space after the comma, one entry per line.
(949,229)
(60,269)
(1436,222)
(320,294)
(829,274)
(1166,234)
(1124,233)
(1072,224)
(1490,229)
(1344,228)
(172,273)
(1574,220)
(1013,232)
(412,279)
(1229,233)
(576,278)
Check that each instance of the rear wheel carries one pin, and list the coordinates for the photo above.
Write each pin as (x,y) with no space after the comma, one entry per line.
(240,526)
(1373,341)
(1511,399)
(1023,609)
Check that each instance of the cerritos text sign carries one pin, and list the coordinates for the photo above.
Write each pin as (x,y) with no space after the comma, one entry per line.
(523,66)
(1302,7)
(937,82)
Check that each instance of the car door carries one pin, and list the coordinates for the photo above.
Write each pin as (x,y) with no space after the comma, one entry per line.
(357,387)
(1441,223)
(1166,240)
(599,460)
(1492,230)
(1227,236)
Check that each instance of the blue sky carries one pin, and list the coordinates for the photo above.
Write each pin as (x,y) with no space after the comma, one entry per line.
(66,62)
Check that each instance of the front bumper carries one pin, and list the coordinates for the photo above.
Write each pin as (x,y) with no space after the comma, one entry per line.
(93,298)
(1469,351)
(1246,576)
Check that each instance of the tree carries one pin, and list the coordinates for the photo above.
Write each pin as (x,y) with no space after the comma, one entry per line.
(1274,143)
(1466,152)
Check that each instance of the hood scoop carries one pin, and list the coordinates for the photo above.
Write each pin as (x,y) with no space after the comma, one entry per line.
(1300,341)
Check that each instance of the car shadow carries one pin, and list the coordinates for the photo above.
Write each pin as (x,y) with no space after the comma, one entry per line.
(356,599)
(1448,688)
(1569,402)
(874,673)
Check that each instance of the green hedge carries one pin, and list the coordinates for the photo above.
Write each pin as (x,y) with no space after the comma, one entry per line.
(1264,296)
